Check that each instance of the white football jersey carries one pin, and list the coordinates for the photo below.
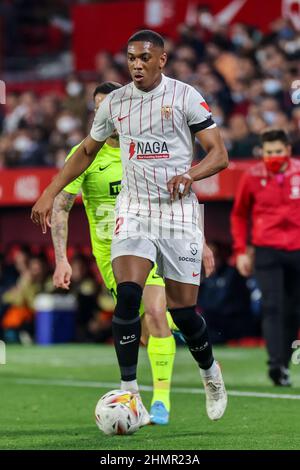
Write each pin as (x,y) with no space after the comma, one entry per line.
(156,138)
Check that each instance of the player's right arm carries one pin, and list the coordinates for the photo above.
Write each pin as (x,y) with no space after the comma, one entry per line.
(102,128)
(63,203)
(82,158)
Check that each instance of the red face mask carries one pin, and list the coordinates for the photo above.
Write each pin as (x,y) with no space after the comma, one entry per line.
(274,164)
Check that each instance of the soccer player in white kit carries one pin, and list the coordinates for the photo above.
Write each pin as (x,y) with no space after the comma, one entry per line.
(157,216)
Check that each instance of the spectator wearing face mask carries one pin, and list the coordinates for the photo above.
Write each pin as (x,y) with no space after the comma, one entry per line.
(269,197)
(243,141)
(75,101)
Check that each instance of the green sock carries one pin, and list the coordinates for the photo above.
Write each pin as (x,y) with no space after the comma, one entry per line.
(171,323)
(161,353)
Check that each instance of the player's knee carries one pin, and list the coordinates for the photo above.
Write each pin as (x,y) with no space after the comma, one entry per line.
(181,314)
(155,313)
(129,295)
(155,324)
(187,320)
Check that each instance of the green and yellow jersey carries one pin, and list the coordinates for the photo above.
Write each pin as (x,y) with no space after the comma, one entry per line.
(100,184)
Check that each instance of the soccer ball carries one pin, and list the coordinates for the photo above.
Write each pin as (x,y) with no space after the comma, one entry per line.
(118,412)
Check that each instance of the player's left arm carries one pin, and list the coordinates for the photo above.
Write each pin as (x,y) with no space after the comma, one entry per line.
(203,127)
(216,158)
(215,161)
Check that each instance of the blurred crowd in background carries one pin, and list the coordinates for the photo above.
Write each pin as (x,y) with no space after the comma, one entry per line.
(245,77)
(25,273)
(229,302)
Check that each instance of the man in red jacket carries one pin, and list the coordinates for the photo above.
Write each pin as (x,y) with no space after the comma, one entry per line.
(268,197)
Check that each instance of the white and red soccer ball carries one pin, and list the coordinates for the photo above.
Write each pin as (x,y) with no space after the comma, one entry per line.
(118,412)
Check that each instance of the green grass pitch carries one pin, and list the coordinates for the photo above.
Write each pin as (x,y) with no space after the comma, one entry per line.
(48,396)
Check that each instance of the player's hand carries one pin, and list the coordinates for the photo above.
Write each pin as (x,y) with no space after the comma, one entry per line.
(62,275)
(208,260)
(41,211)
(179,185)
(244,265)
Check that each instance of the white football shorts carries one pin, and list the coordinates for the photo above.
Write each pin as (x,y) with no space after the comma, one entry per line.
(175,246)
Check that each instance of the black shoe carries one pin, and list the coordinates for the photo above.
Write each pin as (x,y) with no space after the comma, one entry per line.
(280,376)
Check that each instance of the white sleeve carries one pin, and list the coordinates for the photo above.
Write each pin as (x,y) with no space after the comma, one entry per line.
(198,113)
(103,125)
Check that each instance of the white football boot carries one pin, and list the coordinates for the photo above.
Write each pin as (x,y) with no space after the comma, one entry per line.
(216,396)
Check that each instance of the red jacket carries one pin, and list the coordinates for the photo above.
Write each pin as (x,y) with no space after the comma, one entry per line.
(272,205)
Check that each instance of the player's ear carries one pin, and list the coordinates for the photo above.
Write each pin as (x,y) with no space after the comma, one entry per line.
(162,60)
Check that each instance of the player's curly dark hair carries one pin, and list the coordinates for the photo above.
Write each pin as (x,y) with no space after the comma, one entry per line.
(148,35)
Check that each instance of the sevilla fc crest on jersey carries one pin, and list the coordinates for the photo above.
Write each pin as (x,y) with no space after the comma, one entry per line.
(166,111)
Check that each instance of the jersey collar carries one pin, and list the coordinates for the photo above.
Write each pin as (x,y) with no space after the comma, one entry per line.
(155,90)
